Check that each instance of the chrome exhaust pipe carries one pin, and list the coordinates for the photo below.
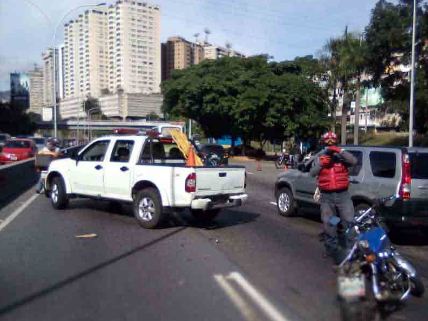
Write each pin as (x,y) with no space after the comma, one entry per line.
(405,265)
(378,295)
(409,288)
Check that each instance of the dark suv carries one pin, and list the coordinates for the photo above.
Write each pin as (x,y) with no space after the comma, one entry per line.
(380,172)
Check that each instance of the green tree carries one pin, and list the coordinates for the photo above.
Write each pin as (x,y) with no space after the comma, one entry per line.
(15,121)
(90,103)
(388,38)
(249,98)
(152,116)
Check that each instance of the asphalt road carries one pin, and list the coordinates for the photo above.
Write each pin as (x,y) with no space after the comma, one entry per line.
(250,264)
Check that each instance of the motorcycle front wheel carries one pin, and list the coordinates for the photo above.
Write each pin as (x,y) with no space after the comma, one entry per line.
(356,311)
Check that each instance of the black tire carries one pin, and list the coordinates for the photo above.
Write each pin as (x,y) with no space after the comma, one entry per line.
(205,216)
(148,208)
(58,194)
(285,202)
(46,192)
(353,311)
(418,287)
(361,207)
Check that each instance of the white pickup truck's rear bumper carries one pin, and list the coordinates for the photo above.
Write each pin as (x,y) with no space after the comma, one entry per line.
(207,203)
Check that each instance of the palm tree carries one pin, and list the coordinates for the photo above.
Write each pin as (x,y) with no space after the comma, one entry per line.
(353,62)
(347,60)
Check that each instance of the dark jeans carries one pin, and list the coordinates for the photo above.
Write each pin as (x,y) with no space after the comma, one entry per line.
(336,204)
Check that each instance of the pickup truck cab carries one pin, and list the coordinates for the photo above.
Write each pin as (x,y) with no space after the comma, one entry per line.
(150,173)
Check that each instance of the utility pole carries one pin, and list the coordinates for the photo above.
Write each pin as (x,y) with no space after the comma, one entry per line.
(412,79)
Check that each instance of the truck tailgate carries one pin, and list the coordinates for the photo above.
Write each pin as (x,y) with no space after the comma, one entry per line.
(218,180)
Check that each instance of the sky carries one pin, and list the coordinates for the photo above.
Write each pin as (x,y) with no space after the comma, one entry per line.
(283,29)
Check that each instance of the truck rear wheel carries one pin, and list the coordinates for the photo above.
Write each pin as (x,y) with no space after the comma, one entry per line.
(148,208)
(205,216)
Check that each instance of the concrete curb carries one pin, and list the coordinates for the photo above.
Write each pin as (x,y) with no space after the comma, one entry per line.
(15,179)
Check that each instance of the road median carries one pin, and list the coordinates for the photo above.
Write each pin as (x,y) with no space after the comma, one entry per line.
(15,179)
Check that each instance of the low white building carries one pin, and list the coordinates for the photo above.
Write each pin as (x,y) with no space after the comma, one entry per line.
(119,105)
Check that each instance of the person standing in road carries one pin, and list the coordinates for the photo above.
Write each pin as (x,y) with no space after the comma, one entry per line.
(51,149)
(331,168)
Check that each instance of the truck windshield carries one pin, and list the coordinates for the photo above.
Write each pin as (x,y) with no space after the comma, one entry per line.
(419,169)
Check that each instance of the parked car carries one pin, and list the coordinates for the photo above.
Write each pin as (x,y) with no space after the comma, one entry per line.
(17,149)
(3,138)
(40,142)
(213,154)
(380,172)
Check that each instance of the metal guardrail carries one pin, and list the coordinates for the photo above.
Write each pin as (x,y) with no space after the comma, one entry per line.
(15,179)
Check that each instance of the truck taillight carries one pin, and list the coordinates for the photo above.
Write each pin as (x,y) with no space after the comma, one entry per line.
(406,178)
(190,185)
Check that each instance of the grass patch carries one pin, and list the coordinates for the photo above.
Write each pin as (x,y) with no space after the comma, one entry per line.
(392,139)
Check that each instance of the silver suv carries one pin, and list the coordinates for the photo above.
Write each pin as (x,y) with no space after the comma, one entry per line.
(380,172)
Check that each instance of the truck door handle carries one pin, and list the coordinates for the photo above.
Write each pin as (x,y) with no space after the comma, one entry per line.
(124,168)
(98,167)
(423,187)
(222,174)
(354,181)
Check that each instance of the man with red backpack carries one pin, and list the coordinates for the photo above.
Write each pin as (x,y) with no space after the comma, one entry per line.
(331,168)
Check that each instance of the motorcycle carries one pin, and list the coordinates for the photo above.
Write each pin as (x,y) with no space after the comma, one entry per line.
(373,268)
(282,160)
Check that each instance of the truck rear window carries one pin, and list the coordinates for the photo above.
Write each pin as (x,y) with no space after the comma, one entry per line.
(161,151)
(418,165)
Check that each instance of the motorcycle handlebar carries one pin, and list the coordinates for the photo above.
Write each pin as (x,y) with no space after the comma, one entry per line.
(384,201)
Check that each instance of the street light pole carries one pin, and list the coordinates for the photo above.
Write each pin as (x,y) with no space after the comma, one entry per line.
(54,61)
(90,111)
(412,78)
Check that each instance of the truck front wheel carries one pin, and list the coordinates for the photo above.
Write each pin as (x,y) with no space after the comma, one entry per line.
(148,208)
(58,195)
(205,216)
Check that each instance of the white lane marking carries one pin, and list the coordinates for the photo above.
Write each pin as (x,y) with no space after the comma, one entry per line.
(18,211)
(250,173)
(273,203)
(236,298)
(257,297)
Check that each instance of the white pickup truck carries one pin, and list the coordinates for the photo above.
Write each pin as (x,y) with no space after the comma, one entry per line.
(149,172)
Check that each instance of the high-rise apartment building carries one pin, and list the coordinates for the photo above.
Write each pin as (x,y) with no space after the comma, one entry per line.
(48,74)
(36,90)
(178,53)
(134,47)
(61,71)
(86,59)
(216,52)
(19,89)
(111,48)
